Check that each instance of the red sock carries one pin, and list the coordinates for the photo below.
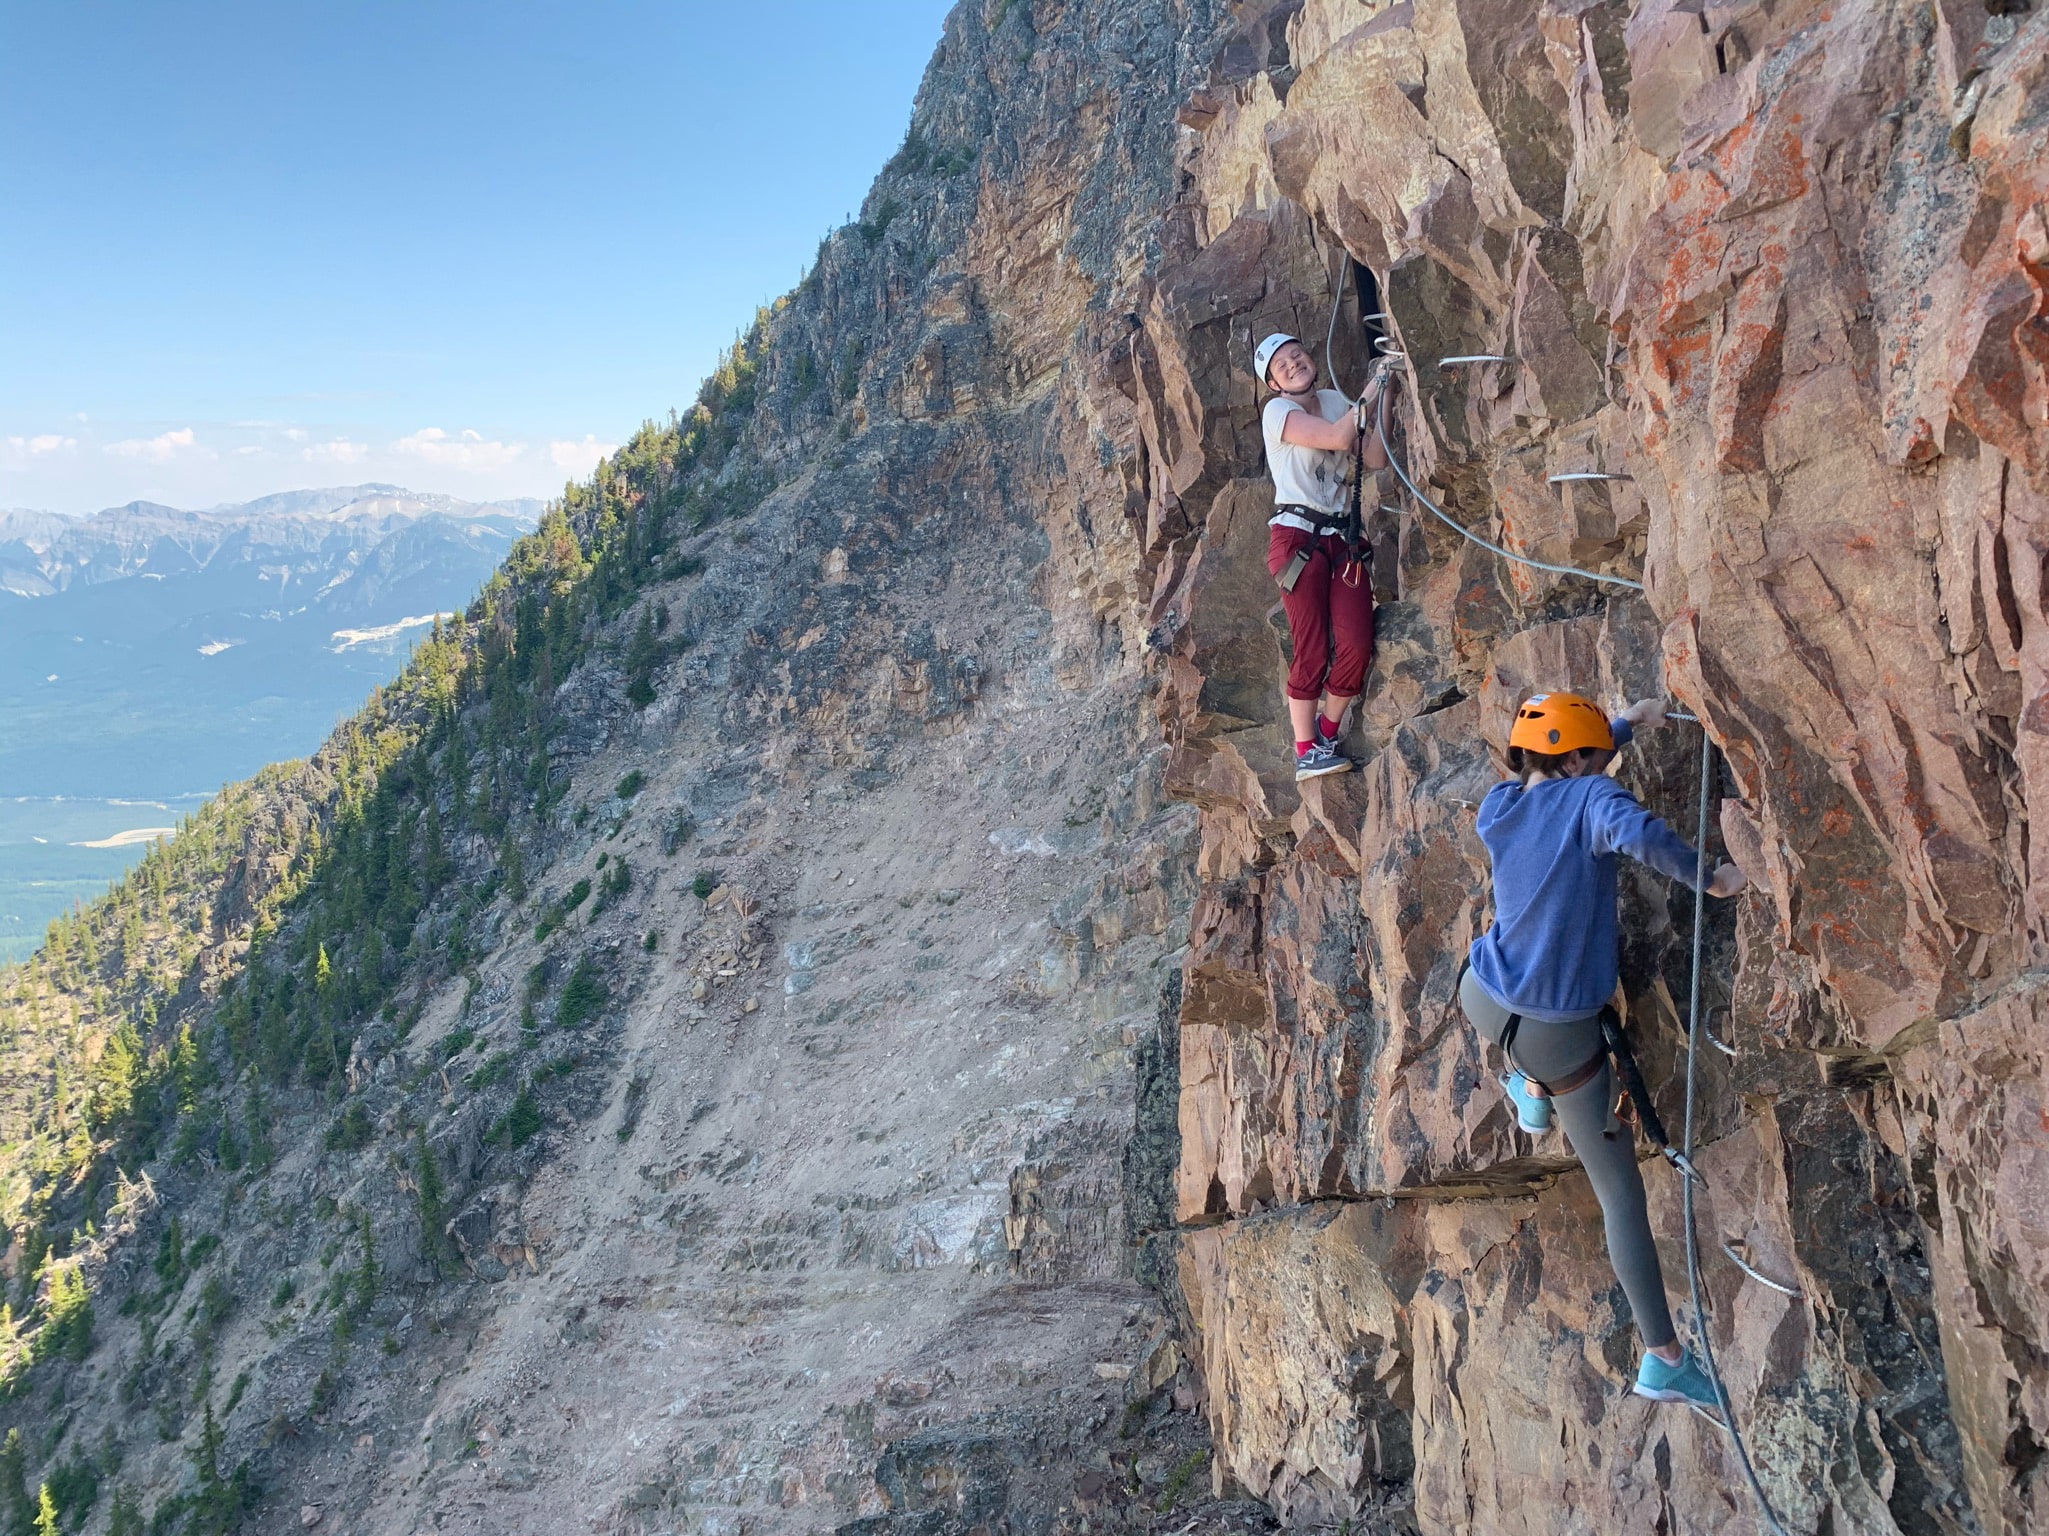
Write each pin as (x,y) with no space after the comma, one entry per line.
(1302,747)
(1328,727)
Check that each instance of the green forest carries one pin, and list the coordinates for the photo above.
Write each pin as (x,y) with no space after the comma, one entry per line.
(235,968)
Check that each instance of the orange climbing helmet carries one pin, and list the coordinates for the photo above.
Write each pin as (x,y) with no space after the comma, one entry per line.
(1560,722)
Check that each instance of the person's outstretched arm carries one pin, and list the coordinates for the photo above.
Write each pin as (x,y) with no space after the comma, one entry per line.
(1618,824)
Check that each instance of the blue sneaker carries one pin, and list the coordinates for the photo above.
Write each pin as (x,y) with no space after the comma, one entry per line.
(1685,1382)
(1532,1110)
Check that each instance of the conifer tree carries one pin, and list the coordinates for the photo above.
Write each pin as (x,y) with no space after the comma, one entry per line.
(365,1283)
(432,1195)
(10,1347)
(213,1501)
(170,1261)
(125,1518)
(14,1481)
(46,1514)
(69,1329)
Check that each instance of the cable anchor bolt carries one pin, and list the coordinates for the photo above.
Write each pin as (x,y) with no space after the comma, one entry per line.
(1684,1164)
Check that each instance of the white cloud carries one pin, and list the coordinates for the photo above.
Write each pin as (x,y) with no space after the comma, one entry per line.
(470,450)
(163,446)
(248,451)
(579,458)
(339,451)
(297,434)
(40,444)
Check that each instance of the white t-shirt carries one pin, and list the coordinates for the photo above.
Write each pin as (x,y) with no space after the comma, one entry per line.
(1307,477)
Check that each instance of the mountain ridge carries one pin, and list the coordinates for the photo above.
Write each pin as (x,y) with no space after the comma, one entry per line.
(42,553)
(567,813)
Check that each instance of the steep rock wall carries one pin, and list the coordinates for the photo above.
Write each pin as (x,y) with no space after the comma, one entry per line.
(1781,266)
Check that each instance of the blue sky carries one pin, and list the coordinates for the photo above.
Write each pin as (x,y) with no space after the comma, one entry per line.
(461,246)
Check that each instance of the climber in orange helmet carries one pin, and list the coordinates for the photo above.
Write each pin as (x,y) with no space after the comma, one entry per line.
(1536,981)
(1312,438)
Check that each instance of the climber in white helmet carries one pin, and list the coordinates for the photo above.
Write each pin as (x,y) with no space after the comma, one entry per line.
(1313,448)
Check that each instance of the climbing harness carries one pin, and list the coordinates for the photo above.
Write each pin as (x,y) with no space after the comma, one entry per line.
(1319,525)
(1554,1088)
(1615,1048)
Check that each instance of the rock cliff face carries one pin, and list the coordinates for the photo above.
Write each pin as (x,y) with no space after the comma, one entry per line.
(1781,269)
(991,1056)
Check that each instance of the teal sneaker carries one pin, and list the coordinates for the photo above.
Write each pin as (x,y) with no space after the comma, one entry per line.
(1532,1110)
(1685,1382)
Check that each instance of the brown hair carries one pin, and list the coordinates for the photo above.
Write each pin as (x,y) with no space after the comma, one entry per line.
(1522,761)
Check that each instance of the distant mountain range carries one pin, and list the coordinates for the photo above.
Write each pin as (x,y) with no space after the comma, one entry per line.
(293,534)
(149,653)
(150,650)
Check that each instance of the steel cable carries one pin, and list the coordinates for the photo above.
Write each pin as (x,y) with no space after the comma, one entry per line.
(1463,531)
(1330,369)
(1693,1033)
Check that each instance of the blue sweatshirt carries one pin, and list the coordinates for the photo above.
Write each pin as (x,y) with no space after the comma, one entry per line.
(1551,953)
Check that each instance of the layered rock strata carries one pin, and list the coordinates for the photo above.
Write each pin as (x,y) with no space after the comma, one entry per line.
(1780,271)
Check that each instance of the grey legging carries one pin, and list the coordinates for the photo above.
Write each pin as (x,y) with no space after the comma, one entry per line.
(1546,1050)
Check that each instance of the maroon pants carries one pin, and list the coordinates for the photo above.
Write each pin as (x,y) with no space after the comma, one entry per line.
(1331,620)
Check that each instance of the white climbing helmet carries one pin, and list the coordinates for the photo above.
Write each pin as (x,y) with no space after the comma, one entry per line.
(1263,354)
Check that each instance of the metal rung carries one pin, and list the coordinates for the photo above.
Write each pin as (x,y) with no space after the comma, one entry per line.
(1738,1260)
(1726,1050)
(1389,350)
(1671,714)
(1586,474)
(1471,357)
